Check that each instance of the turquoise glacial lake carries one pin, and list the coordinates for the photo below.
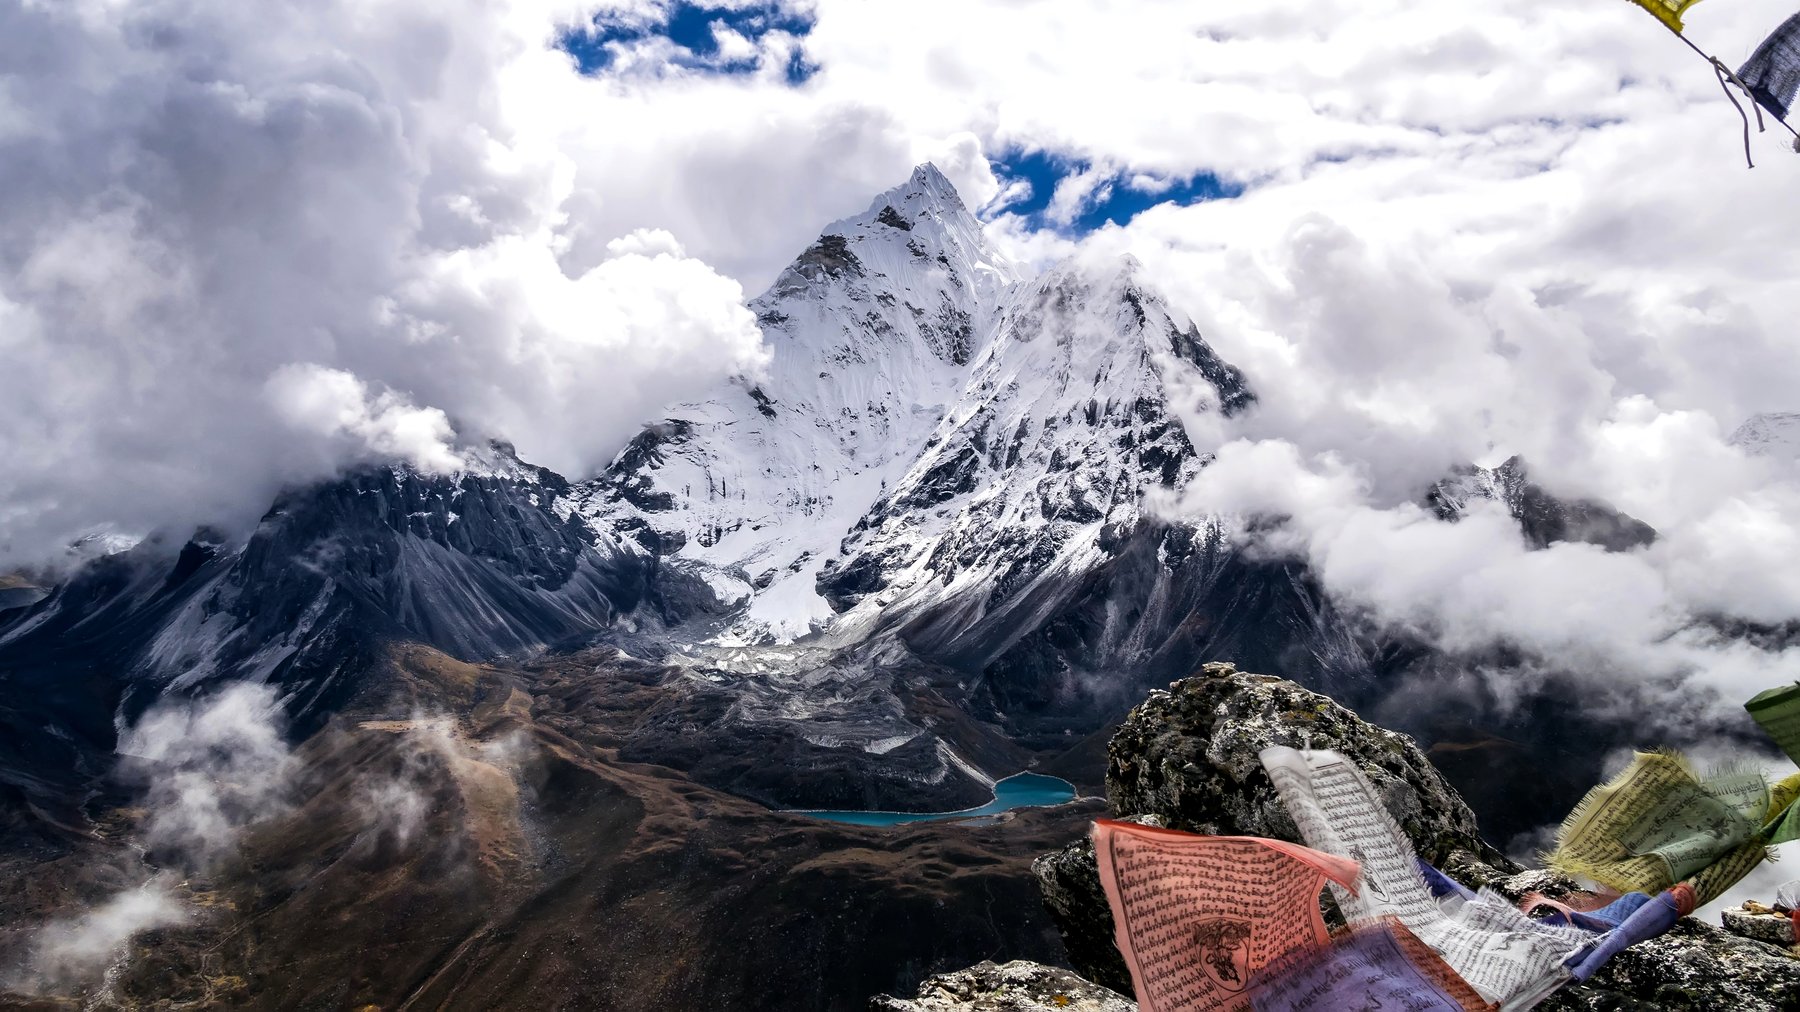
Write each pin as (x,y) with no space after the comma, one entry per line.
(1023,790)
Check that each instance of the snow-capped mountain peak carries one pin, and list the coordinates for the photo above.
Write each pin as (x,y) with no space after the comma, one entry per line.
(921,392)
(1775,435)
(871,329)
(917,239)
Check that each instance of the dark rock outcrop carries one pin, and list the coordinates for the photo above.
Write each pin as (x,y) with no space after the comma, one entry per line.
(1190,756)
(1543,518)
(1187,759)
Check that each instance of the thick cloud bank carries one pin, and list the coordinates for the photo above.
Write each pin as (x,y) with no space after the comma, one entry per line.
(242,245)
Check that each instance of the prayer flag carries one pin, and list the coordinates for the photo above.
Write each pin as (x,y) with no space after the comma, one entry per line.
(1782,822)
(1380,966)
(1648,920)
(1783,825)
(1742,789)
(1669,12)
(1778,709)
(1196,916)
(1773,76)
(1788,895)
(1507,957)
(1442,885)
(1656,824)
(1599,921)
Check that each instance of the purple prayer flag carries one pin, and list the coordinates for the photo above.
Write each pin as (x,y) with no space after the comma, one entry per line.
(1442,885)
(1382,966)
(1773,72)
(1651,919)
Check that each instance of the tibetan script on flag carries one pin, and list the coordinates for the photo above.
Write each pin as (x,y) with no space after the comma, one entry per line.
(1503,954)
(1657,824)
(1197,916)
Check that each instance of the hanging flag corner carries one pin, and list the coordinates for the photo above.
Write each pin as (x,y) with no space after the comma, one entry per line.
(1669,12)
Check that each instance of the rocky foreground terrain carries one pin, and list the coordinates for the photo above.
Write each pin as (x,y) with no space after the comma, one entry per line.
(1187,759)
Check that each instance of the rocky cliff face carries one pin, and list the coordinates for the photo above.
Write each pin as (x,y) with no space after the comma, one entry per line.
(480,564)
(1543,519)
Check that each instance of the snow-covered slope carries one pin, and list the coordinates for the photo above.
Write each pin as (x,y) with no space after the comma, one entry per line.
(479,564)
(1043,465)
(871,330)
(1775,435)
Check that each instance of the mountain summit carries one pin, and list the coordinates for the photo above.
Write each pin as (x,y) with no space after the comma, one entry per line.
(871,330)
(933,426)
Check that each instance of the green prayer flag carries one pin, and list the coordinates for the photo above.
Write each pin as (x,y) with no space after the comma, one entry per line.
(1784,827)
(1783,821)
(1745,790)
(1778,711)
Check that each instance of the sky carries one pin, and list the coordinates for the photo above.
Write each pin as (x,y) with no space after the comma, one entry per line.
(247,247)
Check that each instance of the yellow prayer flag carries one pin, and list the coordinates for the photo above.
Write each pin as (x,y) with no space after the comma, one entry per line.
(1711,882)
(1658,823)
(1782,824)
(1669,12)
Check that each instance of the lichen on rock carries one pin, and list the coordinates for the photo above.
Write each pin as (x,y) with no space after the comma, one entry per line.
(1019,986)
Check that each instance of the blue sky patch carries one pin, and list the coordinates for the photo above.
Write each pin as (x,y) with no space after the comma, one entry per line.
(690,27)
(1116,201)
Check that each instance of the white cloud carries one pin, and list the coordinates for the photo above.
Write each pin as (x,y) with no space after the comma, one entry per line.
(209,768)
(238,251)
(646,242)
(335,404)
(80,947)
(1623,618)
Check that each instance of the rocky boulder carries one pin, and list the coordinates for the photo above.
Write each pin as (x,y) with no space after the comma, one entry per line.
(1186,759)
(1019,986)
(1762,924)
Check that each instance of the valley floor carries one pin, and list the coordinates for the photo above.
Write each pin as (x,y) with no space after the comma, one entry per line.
(503,854)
